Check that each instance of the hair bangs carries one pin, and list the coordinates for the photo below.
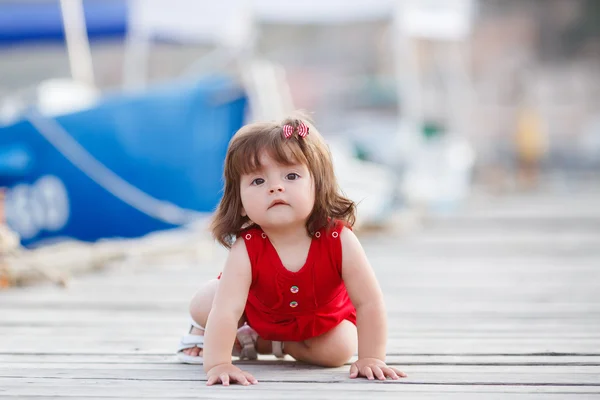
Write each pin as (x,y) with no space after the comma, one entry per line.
(246,159)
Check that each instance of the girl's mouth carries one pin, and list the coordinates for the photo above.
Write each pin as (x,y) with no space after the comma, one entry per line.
(277,203)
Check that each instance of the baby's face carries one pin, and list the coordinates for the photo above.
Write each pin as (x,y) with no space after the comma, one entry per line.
(277,195)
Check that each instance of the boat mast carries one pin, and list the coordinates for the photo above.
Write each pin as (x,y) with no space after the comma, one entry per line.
(78,45)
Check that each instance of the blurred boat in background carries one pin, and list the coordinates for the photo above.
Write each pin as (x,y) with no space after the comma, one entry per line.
(84,165)
(129,165)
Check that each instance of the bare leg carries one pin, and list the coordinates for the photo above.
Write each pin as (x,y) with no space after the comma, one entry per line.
(200,307)
(332,349)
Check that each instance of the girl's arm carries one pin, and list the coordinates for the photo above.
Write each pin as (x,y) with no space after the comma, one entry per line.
(367,298)
(227,308)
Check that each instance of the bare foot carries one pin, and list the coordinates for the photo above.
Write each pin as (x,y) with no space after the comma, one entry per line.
(195,351)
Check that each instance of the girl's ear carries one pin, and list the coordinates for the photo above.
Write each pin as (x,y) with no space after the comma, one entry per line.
(244,212)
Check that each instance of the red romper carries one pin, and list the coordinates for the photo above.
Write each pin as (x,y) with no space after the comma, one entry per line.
(295,306)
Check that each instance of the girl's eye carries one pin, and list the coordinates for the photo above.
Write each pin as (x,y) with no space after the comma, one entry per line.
(258,181)
(292,177)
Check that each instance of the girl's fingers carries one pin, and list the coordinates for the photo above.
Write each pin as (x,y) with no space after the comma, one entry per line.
(353,371)
(211,381)
(240,378)
(368,373)
(224,379)
(250,378)
(389,372)
(378,373)
(400,373)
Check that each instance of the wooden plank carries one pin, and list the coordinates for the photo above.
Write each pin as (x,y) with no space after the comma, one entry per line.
(293,371)
(451,279)
(435,306)
(162,346)
(384,395)
(410,272)
(423,294)
(35,360)
(397,331)
(483,375)
(274,390)
(509,224)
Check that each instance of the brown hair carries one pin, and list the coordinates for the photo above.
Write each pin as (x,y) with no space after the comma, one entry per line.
(243,157)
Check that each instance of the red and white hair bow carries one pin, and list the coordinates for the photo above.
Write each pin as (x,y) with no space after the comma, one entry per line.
(288,130)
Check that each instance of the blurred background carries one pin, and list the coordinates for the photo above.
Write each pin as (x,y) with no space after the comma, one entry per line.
(115,115)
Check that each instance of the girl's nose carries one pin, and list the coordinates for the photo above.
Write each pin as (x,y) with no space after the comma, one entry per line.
(276,188)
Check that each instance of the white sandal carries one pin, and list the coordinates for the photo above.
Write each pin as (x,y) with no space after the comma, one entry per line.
(244,348)
(190,341)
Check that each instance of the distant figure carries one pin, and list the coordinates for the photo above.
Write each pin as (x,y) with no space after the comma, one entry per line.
(530,147)
(296,280)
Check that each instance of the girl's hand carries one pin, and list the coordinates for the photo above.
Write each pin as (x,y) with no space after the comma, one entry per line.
(372,368)
(223,373)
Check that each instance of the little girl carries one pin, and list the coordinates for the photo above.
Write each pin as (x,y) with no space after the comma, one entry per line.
(296,280)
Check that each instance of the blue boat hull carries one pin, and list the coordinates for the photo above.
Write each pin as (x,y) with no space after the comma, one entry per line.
(130,166)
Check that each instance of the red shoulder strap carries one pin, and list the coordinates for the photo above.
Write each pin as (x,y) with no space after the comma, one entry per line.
(334,243)
(254,241)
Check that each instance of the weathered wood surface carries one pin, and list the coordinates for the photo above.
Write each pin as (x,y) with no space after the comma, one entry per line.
(501,300)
